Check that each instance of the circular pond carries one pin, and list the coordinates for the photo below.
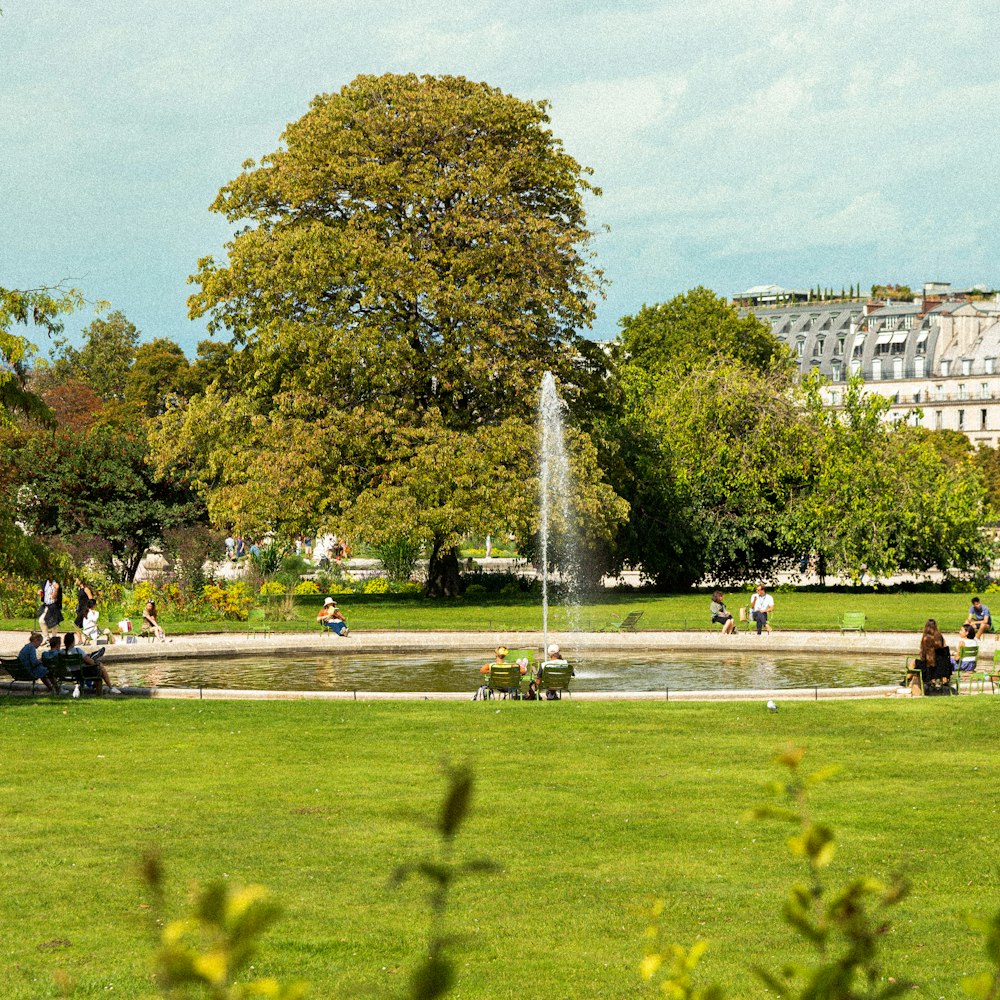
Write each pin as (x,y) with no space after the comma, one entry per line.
(442,672)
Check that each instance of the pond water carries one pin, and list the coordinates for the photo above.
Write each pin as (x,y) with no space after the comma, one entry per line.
(676,671)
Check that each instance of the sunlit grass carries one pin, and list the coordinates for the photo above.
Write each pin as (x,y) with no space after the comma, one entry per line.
(794,610)
(592,809)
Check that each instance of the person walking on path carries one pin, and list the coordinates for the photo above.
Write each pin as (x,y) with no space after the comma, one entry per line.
(761,605)
(50,613)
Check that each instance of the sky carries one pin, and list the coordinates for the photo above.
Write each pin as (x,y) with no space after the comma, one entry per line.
(736,143)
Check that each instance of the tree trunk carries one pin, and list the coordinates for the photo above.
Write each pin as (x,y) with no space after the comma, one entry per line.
(443,578)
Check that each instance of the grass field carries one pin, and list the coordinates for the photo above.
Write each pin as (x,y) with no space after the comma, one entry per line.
(793,610)
(593,809)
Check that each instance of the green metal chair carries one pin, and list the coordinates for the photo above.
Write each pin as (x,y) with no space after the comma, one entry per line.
(852,621)
(17,671)
(504,679)
(911,672)
(257,623)
(973,675)
(628,624)
(554,675)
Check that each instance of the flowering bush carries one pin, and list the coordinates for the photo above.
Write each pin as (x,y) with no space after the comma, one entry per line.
(142,593)
(306,587)
(409,587)
(376,585)
(18,598)
(232,602)
(272,588)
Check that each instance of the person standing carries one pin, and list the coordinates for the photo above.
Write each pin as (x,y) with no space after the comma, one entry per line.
(84,595)
(50,613)
(761,605)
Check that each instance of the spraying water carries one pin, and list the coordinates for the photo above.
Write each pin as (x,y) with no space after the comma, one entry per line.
(556,490)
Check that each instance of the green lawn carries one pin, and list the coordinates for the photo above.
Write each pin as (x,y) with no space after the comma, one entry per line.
(794,610)
(594,809)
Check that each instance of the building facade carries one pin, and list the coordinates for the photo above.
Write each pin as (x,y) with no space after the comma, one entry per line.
(938,355)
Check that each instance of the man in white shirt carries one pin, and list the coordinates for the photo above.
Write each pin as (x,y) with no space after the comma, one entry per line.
(761,604)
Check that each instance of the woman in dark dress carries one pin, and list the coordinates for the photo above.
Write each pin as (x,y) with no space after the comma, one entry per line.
(84,595)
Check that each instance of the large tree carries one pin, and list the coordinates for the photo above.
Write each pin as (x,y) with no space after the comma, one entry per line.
(103,362)
(96,483)
(694,329)
(417,246)
(702,441)
(883,497)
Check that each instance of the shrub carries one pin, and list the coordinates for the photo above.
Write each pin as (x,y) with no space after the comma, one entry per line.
(141,594)
(376,585)
(409,587)
(475,590)
(306,587)
(292,569)
(232,602)
(266,561)
(18,598)
(272,588)
(188,549)
(398,557)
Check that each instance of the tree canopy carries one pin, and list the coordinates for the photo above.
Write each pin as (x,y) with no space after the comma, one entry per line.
(416,242)
(410,263)
(694,329)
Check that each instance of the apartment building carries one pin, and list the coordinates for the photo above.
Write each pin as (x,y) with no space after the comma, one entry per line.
(938,355)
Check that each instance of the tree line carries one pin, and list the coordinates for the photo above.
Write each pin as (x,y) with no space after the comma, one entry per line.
(403,270)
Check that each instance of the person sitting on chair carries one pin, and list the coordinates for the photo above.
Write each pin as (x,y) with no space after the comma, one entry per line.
(555,659)
(501,660)
(149,621)
(720,616)
(968,648)
(332,618)
(92,660)
(761,605)
(979,618)
(28,658)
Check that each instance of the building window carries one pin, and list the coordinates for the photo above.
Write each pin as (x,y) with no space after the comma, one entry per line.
(800,346)
(966,366)
(945,367)
(961,391)
(897,367)
(839,349)
(876,369)
(961,420)
(938,420)
(835,371)
(984,390)
(982,420)
(988,365)
(919,367)
(855,366)
(834,399)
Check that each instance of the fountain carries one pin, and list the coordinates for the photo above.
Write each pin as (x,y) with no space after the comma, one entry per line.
(555,492)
